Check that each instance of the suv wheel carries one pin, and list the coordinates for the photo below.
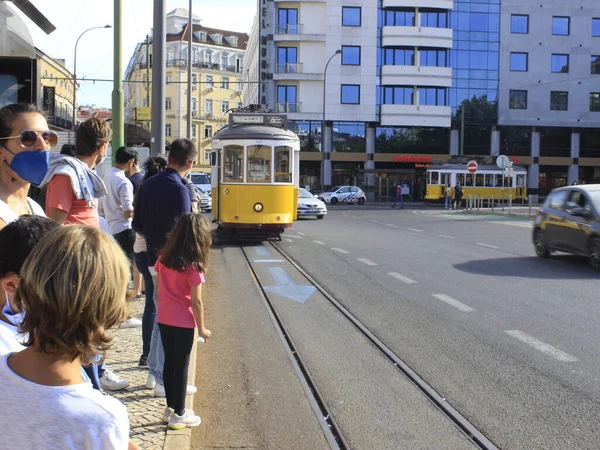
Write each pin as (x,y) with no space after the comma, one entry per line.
(334,200)
(361,201)
(541,249)
(595,253)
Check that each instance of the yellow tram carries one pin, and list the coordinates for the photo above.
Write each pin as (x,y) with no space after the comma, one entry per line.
(255,175)
(486,182)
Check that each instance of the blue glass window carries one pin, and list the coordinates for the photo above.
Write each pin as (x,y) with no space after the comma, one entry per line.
(350,94)
(560,63)
(400,18)
(434,58)
(517,99)
(287,21)
(351,55)
(351,16)
(287,57)
(519,24)
(519,62)
(595,101)
(286,99)
(434,19)
(595,65)
(432,96)
(398,95)
(559,101)
(561,26)
(399,57)
(596,27)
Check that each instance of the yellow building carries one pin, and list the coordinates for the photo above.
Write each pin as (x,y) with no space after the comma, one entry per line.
(217,81)
(56,90)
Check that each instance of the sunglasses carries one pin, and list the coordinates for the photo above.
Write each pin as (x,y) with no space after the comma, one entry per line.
(28,138)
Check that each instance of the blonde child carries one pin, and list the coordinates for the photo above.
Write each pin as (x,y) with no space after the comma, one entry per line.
(72,287)
(180,273)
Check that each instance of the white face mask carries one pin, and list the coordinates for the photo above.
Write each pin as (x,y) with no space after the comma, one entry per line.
(15,318)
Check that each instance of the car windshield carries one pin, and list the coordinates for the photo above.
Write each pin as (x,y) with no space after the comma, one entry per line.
(305,194)
(595,196)
(200,178)
(333,189)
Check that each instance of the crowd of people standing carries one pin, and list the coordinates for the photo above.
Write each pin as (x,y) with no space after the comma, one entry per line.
(65,279)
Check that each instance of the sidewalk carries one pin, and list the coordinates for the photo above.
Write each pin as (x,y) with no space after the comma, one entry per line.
(147,429)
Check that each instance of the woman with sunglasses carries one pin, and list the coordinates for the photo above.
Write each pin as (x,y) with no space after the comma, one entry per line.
(24,155)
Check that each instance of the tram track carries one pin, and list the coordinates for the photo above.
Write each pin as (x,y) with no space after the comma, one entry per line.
(331,429)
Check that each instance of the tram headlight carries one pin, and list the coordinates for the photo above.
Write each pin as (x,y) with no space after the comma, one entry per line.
(258,207)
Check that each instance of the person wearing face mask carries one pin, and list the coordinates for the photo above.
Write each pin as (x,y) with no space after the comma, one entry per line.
(24,158)
(73,187)
(17,240)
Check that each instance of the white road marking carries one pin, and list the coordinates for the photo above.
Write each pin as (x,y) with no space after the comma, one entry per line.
(319,242)
(368,262)
(402,278)
(487,245)
(541,346)
(340,250)
(452,302)
(391,225)
(372,221)
(289,240)
(301,234)
(267,260)
(294,236)
(416,229)
(514,224)
(446,237)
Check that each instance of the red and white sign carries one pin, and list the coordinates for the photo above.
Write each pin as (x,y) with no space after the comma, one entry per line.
(472,166)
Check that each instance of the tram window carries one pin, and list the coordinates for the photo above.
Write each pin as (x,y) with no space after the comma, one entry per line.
(460,178)
(479,180)
(520,180)
(445,179)
(508,182)
(435,178)
(259,163)
(283,158)
(470,180)
(234,163)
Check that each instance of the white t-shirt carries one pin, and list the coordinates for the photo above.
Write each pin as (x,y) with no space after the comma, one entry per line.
(8,216)
(59,417)
(9,339)
(118,198)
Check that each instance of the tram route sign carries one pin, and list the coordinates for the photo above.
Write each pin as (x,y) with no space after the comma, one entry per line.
(472,166)
(275,120)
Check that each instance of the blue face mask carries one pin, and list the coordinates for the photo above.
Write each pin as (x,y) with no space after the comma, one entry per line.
(30,165)
(15,318)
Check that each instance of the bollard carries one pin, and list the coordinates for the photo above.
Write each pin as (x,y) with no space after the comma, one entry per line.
(510,204)
(492,204)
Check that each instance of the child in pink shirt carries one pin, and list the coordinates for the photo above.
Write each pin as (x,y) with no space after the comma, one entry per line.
(180,274)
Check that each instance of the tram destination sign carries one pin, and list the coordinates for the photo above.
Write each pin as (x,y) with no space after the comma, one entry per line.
(274,120)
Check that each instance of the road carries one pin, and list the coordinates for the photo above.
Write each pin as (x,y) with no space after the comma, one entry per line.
(508,339)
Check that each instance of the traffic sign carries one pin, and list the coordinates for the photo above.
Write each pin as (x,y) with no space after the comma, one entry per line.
(472,166)
(503,162)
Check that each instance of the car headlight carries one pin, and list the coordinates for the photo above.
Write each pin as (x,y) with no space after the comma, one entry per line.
(258,207)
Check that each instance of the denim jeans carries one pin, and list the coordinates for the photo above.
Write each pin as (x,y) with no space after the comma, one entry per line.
(149,317)
(396,198)
(94,372)
(448,202)
(156,357)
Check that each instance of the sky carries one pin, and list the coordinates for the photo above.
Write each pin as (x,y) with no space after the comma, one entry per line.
(95,49)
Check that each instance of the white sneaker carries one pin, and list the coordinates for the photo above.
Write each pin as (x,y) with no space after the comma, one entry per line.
(159,390)
(131,323)
(188,419)
(167,414)
(150,381)
(112,382)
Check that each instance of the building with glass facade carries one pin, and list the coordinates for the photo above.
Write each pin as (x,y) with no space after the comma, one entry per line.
(440,79)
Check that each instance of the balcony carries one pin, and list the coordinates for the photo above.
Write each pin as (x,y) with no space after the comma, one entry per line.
(287,107)
(288,68)
(416,37)
(297,32)
(415,116)
(437,4)
(416,76)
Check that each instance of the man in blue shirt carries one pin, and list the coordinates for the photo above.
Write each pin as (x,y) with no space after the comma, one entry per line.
(160,201)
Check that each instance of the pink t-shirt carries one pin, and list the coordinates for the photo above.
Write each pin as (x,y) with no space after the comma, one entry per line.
(174,298)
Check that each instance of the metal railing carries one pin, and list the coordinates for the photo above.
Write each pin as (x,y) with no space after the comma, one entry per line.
(288,107)
(499,204)
(289,68)
(289,28)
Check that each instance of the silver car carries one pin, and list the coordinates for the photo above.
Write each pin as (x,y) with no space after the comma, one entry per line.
(309,205)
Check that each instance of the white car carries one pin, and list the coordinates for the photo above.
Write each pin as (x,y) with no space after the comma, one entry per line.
(344,194)
(201,180)
(309,205)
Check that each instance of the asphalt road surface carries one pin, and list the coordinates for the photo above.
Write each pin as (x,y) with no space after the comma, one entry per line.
(511,341)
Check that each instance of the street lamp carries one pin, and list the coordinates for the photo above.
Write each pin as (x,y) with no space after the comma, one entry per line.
(75,73)
(337,52)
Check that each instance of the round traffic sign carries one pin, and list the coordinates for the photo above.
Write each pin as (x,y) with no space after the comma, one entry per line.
(503,162)
(472,166)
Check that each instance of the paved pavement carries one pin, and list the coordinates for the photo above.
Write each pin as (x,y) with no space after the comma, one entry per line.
(146,427)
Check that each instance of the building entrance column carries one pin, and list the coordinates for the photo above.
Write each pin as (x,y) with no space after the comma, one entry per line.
(533,183)
(370,163)
(326,157)
(454,142)
(573,175)
(495,142)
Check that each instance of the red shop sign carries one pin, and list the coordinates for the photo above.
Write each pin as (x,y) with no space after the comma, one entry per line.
(413,159)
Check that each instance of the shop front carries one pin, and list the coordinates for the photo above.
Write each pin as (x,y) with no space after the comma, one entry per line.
(408,171)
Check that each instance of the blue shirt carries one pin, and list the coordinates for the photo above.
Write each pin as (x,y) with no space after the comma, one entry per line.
(160,201)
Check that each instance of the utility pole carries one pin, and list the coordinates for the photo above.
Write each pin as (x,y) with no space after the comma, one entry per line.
(118,104)
(148,71)
(159,48)
(189,72)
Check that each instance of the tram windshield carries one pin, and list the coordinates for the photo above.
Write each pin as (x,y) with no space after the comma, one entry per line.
(259,163)
(283,158)
(234,163)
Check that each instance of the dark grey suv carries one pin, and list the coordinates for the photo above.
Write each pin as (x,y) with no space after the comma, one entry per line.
(569,221)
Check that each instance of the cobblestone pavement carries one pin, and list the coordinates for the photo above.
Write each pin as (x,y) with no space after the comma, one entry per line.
(147,429)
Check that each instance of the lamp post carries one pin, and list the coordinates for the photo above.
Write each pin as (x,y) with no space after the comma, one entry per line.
(75,73)
(324,161)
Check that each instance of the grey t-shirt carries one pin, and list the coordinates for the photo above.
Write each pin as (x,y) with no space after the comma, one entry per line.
(59,417)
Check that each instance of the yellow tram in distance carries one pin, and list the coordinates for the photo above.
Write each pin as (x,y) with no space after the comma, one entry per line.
(255,175)
(486,182)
